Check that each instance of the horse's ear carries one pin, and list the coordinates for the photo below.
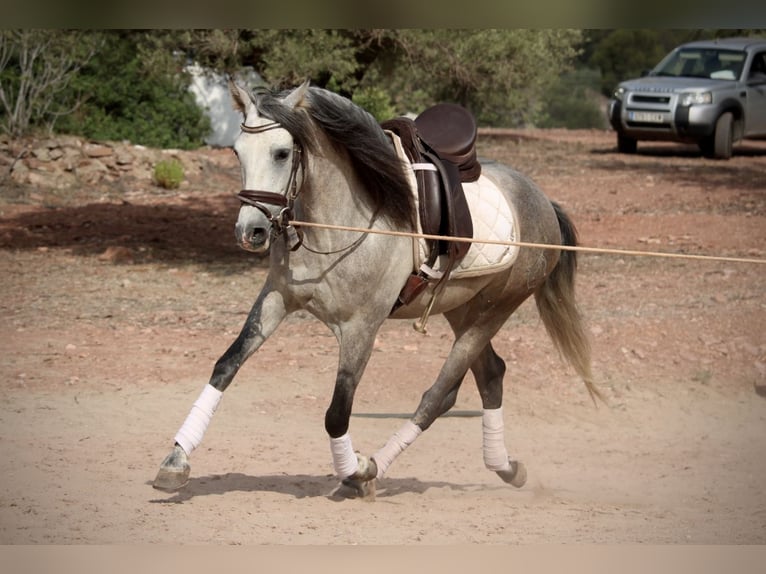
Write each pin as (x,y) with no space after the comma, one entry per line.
(294,98)
(240,97)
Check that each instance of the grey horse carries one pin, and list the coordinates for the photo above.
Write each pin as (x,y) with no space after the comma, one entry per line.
(310,155)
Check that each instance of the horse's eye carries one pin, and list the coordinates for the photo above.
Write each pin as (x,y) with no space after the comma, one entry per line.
(281,154)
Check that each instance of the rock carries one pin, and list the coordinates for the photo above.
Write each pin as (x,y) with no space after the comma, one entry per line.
(123,158)
(20,172)
(71,156)
(90,170)
(117,254)
(50,143)
(97,150)
(65,161)
(42,179)
(34,163)
(69,141)
(42,153)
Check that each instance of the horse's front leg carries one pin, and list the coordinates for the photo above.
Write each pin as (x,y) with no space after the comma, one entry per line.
(355,471)
(265,316)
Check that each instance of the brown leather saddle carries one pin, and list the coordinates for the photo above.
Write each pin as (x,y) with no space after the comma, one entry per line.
(440,144)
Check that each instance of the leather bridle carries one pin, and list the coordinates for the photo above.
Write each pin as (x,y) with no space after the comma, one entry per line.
(280,222)
(286,201)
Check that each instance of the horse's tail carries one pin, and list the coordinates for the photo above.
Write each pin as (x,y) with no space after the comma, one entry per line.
(556,303)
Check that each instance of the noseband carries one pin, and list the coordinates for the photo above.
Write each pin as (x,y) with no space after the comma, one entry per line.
(286,201)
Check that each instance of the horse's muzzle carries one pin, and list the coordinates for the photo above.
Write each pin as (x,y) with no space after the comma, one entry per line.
(253,239)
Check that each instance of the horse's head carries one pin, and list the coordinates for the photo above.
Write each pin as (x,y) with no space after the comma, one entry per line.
(270,164)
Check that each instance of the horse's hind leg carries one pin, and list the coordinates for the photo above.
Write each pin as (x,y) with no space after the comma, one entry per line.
(474,324)
(488,370)
(481,324)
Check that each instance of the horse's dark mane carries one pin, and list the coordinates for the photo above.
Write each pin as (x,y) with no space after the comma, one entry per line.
(351,128)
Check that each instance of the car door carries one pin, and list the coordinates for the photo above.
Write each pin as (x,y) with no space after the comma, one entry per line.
(755,102)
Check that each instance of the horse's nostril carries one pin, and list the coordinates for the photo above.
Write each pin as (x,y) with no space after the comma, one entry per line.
(254,237)
(257,236)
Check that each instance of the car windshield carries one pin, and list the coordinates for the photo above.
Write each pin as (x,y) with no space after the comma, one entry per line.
(713,63)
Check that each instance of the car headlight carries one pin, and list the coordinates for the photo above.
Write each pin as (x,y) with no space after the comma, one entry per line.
(619,93)
(696,98)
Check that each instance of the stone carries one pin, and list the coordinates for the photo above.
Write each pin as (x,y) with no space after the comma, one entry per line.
(123,158)
(56,153)
(97,150)
(117,254)
(35,163)
(20,172)
(90,170)
(41,153)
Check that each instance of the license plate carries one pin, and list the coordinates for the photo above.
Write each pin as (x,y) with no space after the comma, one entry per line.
(648,117)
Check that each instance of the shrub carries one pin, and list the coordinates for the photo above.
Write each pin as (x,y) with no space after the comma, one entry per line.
(136,92)
(376,101)
(169,173)
(574,102)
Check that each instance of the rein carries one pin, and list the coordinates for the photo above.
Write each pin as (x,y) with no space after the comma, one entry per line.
(282,221)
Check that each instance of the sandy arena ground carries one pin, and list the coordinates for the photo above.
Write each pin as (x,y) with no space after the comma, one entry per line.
(117,302)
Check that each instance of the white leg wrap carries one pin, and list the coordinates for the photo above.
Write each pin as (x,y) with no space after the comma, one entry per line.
(343,456)
(495,454)
(190,435)
(400,440)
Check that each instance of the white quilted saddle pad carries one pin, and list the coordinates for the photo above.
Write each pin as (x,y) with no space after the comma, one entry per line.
(493,218)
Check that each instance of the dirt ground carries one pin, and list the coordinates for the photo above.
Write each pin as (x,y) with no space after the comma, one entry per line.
(117,300)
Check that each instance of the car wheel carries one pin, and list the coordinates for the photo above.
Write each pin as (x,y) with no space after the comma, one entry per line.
(724,137)
(626,144)
(707,146)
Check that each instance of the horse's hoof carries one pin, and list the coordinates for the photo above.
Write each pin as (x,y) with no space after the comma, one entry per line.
(174,472)
(361,484)
(171,480)
(516,475)
(355,488)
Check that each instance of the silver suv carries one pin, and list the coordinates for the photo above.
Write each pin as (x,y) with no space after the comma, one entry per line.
(711,93)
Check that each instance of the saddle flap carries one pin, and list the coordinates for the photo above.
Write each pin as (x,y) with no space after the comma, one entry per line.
(455,216)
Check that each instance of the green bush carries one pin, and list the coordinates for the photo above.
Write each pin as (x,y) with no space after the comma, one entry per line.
(574,102)
(137,93)
(169,173)
(376,101)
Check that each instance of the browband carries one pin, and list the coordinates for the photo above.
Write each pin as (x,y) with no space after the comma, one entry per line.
(258,129)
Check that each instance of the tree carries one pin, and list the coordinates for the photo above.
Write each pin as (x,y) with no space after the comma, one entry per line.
(624,54)
(36,68)
(501,75)
(137,90)
(134,87)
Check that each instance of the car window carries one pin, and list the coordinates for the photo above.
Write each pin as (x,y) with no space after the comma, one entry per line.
(758,67)
(703,63)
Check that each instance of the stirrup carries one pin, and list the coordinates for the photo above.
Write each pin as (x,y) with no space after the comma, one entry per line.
(420,324)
